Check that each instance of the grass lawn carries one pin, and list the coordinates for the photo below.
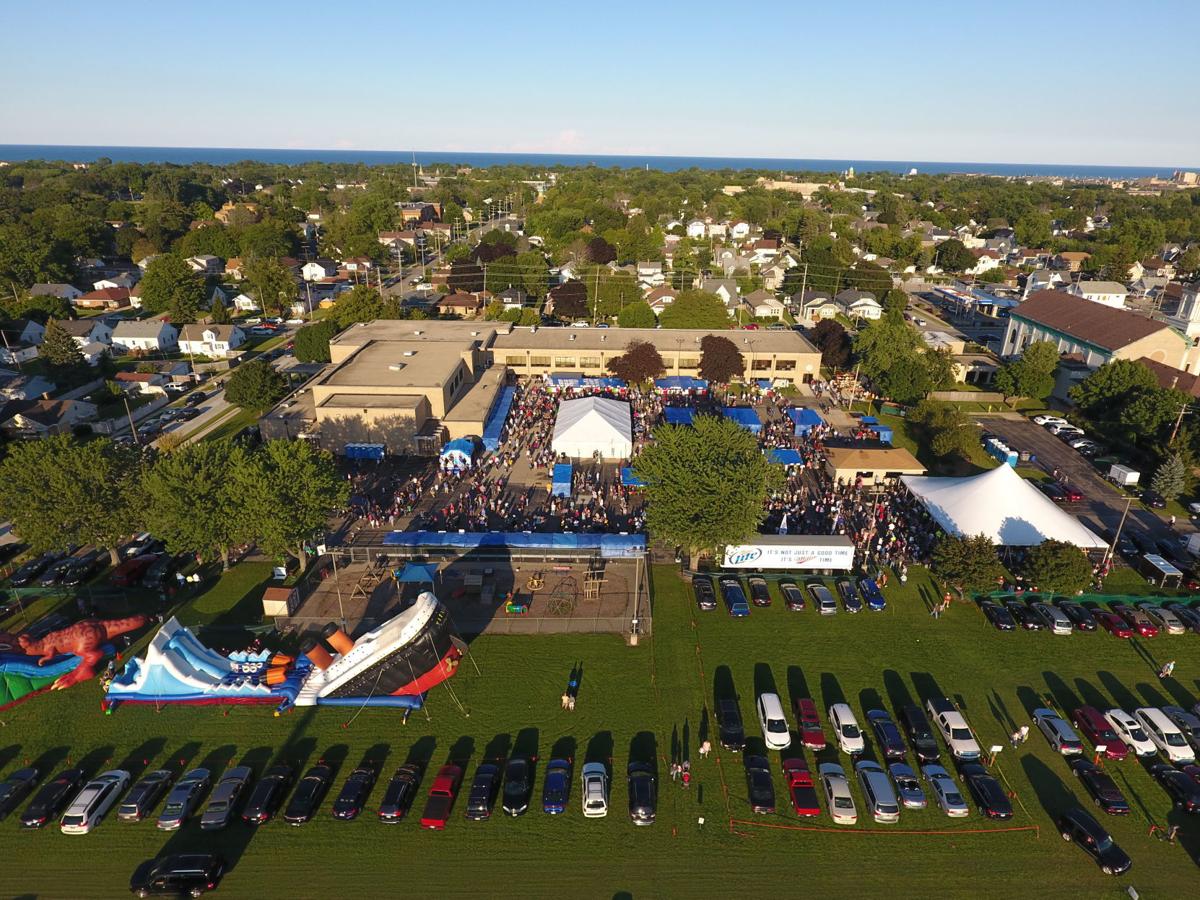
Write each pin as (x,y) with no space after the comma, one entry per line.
(232,424)
(637,701)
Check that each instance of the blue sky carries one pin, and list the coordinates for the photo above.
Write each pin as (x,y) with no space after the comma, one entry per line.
(1046,82)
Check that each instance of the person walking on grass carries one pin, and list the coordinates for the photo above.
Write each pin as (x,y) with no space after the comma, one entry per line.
(1167,670)
(705,749)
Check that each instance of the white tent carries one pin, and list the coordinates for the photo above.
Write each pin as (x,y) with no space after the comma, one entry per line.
(592,425)
(1000,504)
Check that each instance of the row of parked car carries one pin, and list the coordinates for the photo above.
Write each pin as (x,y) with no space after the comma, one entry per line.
(1066,616)
(855,595)
(143,561)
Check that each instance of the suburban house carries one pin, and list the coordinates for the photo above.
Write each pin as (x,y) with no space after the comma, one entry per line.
(319,269)
(986,259)
(393,240)
(814,306)
(864,307)
(124,280)
(206,264)
(1044,280)
(661,297)
(730,260)
(1187,314)
(1071,260)
(459,304)
(16,386)
(725,288)
(235,268)
(66,292)
(739,230)
(23,331)
(773,274)
(650,273)
(245,303)
(765,250)
(695,228)
(216,341)
(763,304)
(141,382)
(50,417)
(513,298)
(150,335)
(1110,293)
(103,298)
(88,331)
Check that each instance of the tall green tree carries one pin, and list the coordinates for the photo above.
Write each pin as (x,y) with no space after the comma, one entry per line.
(947,428)
(1172,477)
(1032,375)
(969,564)
(170,286)
(255,386)
(695,309)
(59,491)
(720,360)
(192,501)
(60,351)
(1059,567)
(705,483)
(288,490)
(271,283)
(1106,390)
(953,256)
(637,314)
(312,342)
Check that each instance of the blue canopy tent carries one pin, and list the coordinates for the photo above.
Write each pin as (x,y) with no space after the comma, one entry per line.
(458,454)
(764,383)
(417,573)
(610,546)
(560,482)
(884,432)
(744,416)
(629,479)
(496,419)
(575,379)
(869,420)
(806,419)
(785,457)
(680,383)
(678,415)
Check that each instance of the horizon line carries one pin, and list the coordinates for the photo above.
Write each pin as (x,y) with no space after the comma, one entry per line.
(584,156)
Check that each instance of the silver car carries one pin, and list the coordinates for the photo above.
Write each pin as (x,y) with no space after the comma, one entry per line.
(226,798)
(880,797)
(945,791)
(826,605)
(1163,618)
(1053,618)
(838,798)
(183,799)
(907,785)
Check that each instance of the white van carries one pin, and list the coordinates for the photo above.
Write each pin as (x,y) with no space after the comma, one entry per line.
(774,724)
(1164,734)
(845,726)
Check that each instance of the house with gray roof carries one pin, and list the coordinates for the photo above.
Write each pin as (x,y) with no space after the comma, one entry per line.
(147,336)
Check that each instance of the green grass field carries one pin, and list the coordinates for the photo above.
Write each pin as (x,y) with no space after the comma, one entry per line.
(640,701)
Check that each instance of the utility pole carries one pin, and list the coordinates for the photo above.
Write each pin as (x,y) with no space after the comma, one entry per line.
(1178,422)
(132,427)
(1112,548)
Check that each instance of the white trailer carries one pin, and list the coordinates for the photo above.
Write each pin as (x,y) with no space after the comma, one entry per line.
(1123,476)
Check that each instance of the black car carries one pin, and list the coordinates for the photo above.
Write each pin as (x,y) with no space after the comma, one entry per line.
(793,597)
(643,793)
(850,599)
(144,795)
(1001,618)
(706,597)
(920,735)
(989,795)
(1053,491)
(760,595)
(1024,615)
(267,795)
(1141,541)
(161,569)
(1079,615)
(180,874)
(309,793)
(1100,786)
(33,568)
(518,785)
(891,744)
(195,397)
(53,797)
(760,785)
(483,792)
(84,567)
(1154,500)
(399,794)
(15,788)
(1076,825)
(729,723)
(8,551)
(55,572)
(354,793)
(1185,793)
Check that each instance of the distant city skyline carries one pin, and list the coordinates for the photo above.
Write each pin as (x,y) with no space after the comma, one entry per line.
(1040,84)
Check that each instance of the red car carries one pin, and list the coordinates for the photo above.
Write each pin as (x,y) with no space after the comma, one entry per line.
(130,572)
(811,733)
(1095,727)
(1072,494)
(1136,619)
(1113,624)
(800,787)
(441,798)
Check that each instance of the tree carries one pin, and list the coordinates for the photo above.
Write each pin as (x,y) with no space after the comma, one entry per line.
(312,342)
(720,360)
(1059,567)
(191,501)
(1172,477)
(288,490)
(953,256)
(1032,375)
(600,251)
(255,386)
(1148,413)
(271,283)
(1033,229)
(946,427)
(905,380)
(466,277)
(637,314)
(883,342)
(609,292)
(831,339)
(970,564)
(219,313)
(60,351)
(695,309)
(58,491)
(640,362)
(1105,391)
(570,300)
(362,304)
(895,302)
(705,483)
(170,286)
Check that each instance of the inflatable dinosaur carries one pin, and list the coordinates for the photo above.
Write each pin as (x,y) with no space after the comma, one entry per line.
(85,639)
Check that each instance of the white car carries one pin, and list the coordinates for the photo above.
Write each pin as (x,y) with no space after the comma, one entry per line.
(953,726)
(946,792)
(1128,729)
(773,722)
(595,791)
(845,726)
(1061,736)
(1050,420)
(878,791)
(96,799)
(1163,618)
(838,798)
(1164,734)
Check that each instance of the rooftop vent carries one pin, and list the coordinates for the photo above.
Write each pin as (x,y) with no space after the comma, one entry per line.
(410,352)
(396,367)
(572,337)
(418,331)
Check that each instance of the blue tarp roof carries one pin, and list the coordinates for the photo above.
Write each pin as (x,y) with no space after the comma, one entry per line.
(560,483)
(574,379)
(611,546)
(745,417)
(805,416)
(785,457)
(497,418)
(680,383)
(459,452)
(417,573)
(678,415)
(763,383)
(629,479)
(869,420)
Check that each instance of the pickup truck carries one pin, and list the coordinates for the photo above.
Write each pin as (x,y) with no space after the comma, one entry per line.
(441,798)
(953,726)
(800,787)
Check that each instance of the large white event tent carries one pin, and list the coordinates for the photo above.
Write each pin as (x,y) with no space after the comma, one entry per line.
(1000,504)
(591,425)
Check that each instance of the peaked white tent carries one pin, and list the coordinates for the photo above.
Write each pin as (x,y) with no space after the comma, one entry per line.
(1001,504)
(593,425)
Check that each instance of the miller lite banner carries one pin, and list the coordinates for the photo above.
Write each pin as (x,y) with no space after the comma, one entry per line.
(792,552)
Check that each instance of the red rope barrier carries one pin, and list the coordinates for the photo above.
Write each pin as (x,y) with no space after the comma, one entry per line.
(850,830)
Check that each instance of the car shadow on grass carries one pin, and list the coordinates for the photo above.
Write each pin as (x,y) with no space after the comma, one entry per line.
(1151,695)
(139,759)
(94,761)
(527,743)
(564,748)
(643,747)
(1187,835)
(335,758)
(219,759)
(1064,698)
(1052,793)
(797,685)
(8,754)
(723,686)
(897,691)
(257,759)
(926,686)
(869,698)
(1090,694)
(420,754)
(831,690)
(600,748)
(498,748)
(764,680)
(180,760)
(461,752)
(1121,695)
(50,761)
